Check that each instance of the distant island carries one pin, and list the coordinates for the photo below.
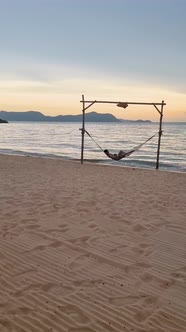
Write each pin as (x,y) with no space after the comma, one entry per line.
(39,117)
(3,121)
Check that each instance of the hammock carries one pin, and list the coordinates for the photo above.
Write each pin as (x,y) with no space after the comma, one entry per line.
(121,154)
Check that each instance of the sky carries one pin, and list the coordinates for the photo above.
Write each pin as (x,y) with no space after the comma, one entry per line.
(54,51)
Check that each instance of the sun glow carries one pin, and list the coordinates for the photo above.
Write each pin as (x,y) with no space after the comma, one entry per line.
(63,97)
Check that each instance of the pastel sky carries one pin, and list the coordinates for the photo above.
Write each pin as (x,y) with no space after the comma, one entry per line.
(53,51)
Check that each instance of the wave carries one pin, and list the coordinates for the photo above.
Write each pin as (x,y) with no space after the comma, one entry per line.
(135,163)
(64,142)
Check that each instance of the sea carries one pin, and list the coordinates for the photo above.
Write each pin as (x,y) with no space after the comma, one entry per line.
(63,140)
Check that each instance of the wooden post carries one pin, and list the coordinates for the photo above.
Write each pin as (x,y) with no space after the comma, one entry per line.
(83,129)
(160,133)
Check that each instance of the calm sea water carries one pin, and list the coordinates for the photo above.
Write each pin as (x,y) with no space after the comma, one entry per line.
(63,140)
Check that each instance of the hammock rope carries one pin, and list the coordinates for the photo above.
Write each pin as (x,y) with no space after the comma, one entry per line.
(121,154)
(94,140)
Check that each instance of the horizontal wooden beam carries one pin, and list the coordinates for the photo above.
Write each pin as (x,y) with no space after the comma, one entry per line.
(117,102)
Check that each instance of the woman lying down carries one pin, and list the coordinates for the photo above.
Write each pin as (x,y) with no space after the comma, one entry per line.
(117,156)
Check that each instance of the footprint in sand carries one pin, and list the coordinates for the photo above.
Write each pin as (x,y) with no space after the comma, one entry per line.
(94,241)
(76,314)
(25,289)
(167,284)
(80,261)
(179,274)
(57,230)
(93,226)
(20,311)
(25,221)
(137,267)
(10,309)
(139,228)
(146,277)
(118,248)
(81,329)
(57,289)
(150,300)
(87,283)
(143,264)
(62,226)
(24,274)
(141,316)
(145,245)
(148,248)
(33,226)
(2,256)
(6,325)
(96,228)
(123,300)
(149,305)
(138,251)
(79,240)
(54,244)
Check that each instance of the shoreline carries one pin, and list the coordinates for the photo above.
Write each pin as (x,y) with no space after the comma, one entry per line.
(88,248)
(91,161)
(64,142)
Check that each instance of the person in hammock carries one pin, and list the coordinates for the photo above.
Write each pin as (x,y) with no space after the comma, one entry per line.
(117,156)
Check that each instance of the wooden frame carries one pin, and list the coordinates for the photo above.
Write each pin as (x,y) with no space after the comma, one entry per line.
(124,105)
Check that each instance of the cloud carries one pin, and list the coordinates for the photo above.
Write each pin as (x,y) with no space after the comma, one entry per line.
(27,69)
(57,88)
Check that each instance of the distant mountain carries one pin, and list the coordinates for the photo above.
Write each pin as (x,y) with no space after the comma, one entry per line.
(3,121)
(37,116)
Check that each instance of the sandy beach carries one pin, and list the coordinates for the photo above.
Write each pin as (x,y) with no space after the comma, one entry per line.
(88,248)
